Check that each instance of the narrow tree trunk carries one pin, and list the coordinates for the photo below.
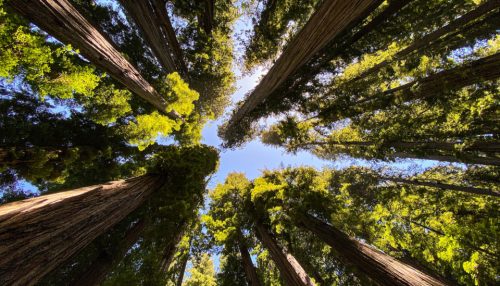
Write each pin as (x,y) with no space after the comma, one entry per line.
(61,20)
(182,270)
(380,267)
(470,190)
(425,41)
(251,273)
(329,21)
(144,15)
(291,271)
(103,264)
(462,158)
(38,234)
(170,249)
(206,19)
(162,14)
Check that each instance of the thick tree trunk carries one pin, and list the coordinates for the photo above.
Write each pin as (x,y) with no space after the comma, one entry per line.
(251,273)
(428,39)
(291,271)
(330,20)
(61,20)
(101,266)
(38,234)
(162,14)
(380,267)
(146,17)
(438,185)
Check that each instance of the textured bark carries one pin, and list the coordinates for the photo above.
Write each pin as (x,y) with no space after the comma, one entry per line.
(330,20)
(292,272)
(162,14)
(103,264)
(62,20)
(380,267)
(250,272)
(206,19)
(147,18)
(38,234)
(428,39)
(469,190)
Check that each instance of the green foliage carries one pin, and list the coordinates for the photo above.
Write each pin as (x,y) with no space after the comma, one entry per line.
(202,273)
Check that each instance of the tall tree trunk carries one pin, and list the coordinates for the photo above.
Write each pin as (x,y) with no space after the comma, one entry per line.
(162,14)
(438,185)
(146,17)
(38,234)
(105,261)
(484,69)
(206,19)
(251,273)
(428,39)
(291,271)
(62,20)
(182,270)
(380,267)
(330,20)
(462,158)
(170,249)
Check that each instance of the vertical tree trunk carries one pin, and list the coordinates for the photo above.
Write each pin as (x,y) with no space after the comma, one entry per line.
(470,190)
(62,20)
(329,21)
(380,267)
(38,234)
(291,271)
(144,15)
(101,266)
(251,273)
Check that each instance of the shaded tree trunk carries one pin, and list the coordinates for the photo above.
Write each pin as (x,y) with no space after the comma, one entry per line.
(62,20)
(170,249)
(380,267)
(145,15)
(462,158)
(101,266)
(182,270)
(162,14)
(39,234)
(428,39)
(291,271)
(251,273)
(206,19)
(438,185)
(330,20)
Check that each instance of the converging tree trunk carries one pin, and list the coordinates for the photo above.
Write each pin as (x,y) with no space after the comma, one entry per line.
(102,265)
(146,17)
(250,272)
(39,234)
(290,269)
(63,21)
(380,267)
(459,23)
(329,21)
(185,260)
(443,186)
(169,251)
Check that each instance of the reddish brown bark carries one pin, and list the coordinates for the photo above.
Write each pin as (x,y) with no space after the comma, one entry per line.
(292,272)
(250,272)
(62,20)
(146,17)
(380,267)
(38,234)
(101,266)
(330,20)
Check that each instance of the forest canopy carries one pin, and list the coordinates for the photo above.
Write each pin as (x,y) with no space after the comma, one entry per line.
(106,177)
